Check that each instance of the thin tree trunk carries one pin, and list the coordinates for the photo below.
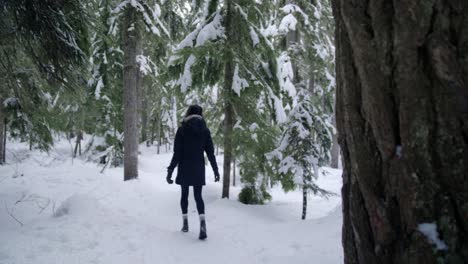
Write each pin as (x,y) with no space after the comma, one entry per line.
(2,137)
(79,137)
(234,171)
(402,117)
(144,120)
(304,202)
(228,109)
(79,144)
(153,131)
(159,135)
(130,97)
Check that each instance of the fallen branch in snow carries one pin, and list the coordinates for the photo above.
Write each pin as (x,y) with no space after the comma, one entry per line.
(12,216)
(21,199)
(41,202)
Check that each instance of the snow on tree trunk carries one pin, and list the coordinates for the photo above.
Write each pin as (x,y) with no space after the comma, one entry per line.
(402,117)
(130,97)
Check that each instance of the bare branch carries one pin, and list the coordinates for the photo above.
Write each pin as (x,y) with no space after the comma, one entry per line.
(12,216)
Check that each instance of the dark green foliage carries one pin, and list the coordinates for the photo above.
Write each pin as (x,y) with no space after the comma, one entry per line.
(251,195)
(52,33)
(43,46)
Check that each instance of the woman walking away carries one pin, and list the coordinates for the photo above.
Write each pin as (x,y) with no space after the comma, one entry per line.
(192,139)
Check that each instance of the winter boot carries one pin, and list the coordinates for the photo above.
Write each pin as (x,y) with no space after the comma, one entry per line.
(202,235)
(185,223)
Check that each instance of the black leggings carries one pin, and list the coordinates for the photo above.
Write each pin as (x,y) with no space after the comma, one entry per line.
(197,192)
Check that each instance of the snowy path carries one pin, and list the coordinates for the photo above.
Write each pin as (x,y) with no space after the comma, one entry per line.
(109,221)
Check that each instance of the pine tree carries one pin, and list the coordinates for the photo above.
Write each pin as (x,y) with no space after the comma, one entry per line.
(304,73)
(304,147)
(43,48)
(138,17)
(102,103)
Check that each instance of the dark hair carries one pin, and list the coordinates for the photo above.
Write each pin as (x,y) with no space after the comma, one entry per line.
(194,110)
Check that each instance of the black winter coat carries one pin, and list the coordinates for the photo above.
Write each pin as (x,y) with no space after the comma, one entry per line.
(192,139)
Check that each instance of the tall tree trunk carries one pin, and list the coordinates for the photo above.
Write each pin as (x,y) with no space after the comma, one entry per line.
(2,136)
(228,126)
(228,109)
(402,117)
(130,97)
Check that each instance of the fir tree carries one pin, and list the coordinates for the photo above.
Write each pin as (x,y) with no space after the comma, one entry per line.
(304,73)
(42,49)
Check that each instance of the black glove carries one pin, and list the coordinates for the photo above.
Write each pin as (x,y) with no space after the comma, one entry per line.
(216,176)
(169,180)
(169,176)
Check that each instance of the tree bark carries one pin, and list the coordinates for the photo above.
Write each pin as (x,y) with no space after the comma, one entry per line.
(228,108)
(335,150)
(130,96)
(402,117)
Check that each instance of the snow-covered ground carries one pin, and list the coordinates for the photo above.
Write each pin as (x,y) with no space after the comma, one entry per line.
(58,210)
